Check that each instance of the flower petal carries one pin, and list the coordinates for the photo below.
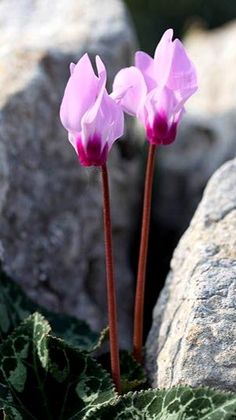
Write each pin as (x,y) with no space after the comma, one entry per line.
(114,117)
(182,76)
(105,119)
(72,138)
(163,57)
(90,120)
(93,154)
(164,43)
(102,74)
(161,101)
(162,116)
(145,64)
(80,93)
(101,68)
(129,89)
(91,123)
(72,67)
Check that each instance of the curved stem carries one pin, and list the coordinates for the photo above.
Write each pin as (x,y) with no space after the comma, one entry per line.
(111,294)
(140,285)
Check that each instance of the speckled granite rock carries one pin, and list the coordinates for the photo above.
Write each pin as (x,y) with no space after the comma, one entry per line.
(50,207)
(193,336)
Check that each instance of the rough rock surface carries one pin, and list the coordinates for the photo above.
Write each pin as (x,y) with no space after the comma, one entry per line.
(193,336)
(50,207)
(206,138)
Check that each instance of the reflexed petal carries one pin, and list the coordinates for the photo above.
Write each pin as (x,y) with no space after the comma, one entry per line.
(72,66)
(93,119)
(164,42)
(145,64)
(182,75)
(163,57)
(92,122)
(72,138)
(129,89)
(102,74)
(114,118)
(179,114)
(105,119)
(80,93)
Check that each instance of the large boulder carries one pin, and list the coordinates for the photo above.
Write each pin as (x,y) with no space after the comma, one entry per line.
(193,335)
(50,208)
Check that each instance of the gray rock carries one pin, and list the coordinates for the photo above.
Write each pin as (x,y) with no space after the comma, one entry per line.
(50,207)
(193,336)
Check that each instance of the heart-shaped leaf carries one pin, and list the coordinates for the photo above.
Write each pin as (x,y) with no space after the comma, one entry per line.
(42,377)
(179,403)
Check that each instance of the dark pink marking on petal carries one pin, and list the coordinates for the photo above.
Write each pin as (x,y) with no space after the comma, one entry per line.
(171,134)
(160,126)
(93,154)
(160,133)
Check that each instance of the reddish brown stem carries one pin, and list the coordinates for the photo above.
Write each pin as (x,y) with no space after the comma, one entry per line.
(140,286)
(111,293)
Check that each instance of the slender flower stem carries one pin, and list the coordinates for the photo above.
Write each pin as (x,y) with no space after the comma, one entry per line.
(111,294)
(140,286)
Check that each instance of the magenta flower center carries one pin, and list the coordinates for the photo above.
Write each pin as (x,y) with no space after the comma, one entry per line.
(161,132)
(93,154)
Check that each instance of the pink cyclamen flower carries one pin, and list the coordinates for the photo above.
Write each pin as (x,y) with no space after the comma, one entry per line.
(155,89)
(91,117)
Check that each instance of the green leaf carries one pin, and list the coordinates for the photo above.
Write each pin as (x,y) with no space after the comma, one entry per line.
(133,376)
(15,306)
(74,331)
(179,403)
(42,377)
